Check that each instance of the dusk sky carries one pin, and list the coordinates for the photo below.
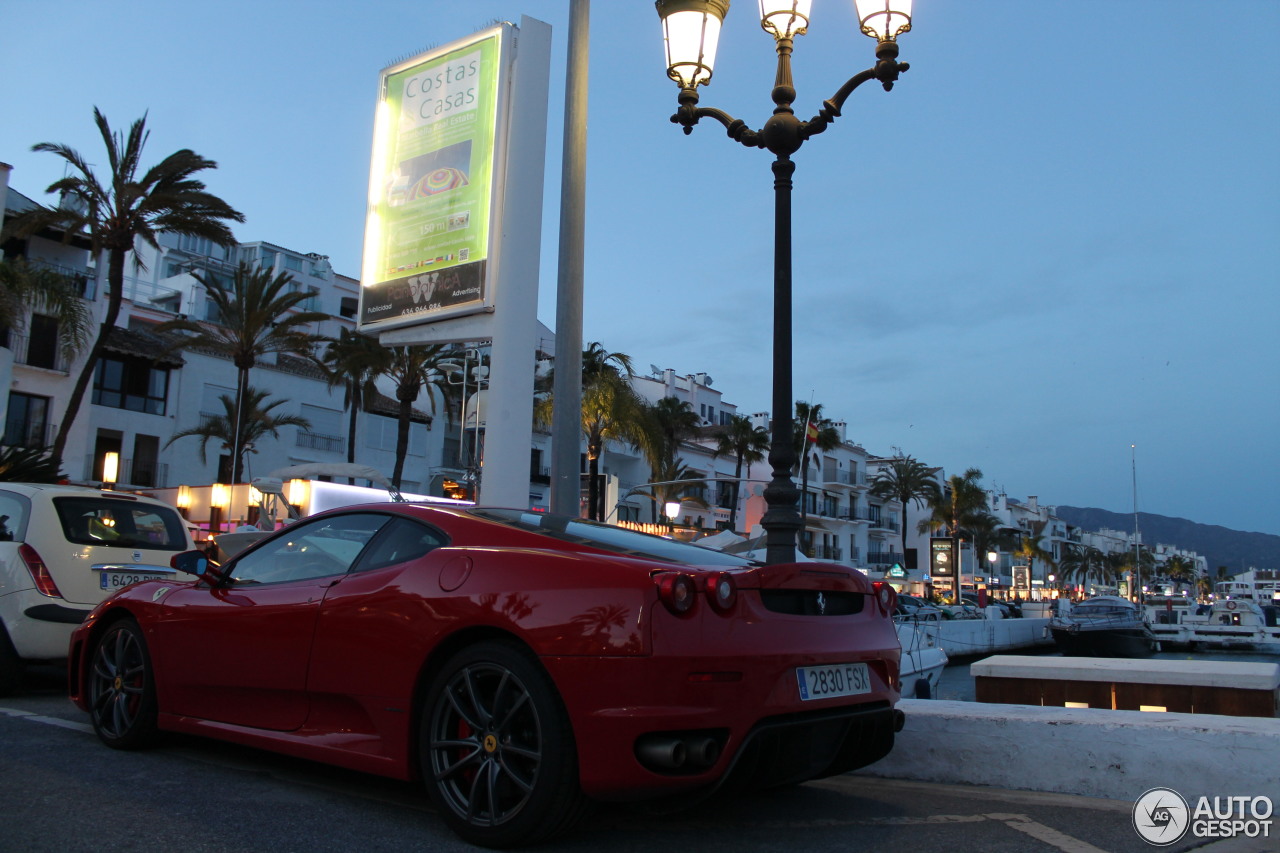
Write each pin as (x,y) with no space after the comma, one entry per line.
(1057,237)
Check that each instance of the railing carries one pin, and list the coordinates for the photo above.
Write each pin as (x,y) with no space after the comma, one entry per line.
(828,552)
(50,359)
(883,558)
(319,441)
(81,278)
(847,478)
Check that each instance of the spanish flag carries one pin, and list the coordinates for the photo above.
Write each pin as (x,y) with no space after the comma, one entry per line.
(811,432)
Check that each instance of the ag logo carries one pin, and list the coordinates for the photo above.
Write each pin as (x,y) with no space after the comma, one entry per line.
(1161,816)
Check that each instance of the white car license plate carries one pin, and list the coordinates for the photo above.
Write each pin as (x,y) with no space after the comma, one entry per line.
(827,682)
(119,580)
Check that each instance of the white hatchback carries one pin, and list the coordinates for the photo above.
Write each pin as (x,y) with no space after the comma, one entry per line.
(62,550)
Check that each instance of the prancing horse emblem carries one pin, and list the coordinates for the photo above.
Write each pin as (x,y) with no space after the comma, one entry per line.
(822,605)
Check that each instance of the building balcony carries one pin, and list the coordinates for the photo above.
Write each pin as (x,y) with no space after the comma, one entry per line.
(46,355)
(321,442)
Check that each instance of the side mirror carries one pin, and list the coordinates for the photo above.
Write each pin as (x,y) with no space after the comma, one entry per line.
(196,563)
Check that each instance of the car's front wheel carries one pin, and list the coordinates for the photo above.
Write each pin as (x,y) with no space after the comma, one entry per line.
(121,688)
(497,749)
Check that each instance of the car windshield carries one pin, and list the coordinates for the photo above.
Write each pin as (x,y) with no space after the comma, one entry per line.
(606,537)
(120,523)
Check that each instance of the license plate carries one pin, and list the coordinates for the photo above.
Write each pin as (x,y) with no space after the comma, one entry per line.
(119,580)
(827,682)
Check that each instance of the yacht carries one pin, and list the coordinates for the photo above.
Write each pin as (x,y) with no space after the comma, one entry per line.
(1235,623)
(1104,626)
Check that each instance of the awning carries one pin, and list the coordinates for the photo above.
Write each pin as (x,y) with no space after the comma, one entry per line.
(139,343)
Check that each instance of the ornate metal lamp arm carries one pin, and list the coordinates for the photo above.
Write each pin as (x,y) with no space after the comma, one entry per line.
(886,70)
(689,114)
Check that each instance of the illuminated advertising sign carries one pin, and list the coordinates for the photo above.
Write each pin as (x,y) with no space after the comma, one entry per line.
(941,562)
(434,183)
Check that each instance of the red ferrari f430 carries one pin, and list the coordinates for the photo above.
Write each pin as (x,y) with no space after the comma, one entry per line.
(521,664)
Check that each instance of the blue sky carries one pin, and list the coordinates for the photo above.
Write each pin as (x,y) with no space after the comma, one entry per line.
(1057,237)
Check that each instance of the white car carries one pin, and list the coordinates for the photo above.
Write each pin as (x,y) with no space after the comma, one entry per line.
(62,550)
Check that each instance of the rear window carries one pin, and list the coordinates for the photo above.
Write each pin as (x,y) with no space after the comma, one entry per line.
(606,537)
(120,524)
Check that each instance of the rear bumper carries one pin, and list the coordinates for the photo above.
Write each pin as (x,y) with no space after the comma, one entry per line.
(40,627)
(765,734)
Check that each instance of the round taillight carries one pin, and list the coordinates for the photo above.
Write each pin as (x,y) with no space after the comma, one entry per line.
(678,592)
(722,591)
(887,597)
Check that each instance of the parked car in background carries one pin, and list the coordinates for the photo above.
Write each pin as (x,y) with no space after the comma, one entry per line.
(520,663)
(63,549)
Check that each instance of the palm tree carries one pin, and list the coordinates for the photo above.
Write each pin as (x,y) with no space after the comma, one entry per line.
(1082,563)
(25,288)
(988,534)
(413,368)
(1180,570)
(611,410)
(663,426)
(129,207)
(955,507)
(1029,549)
(354,361)
(906,480)
(28,465)
(255,420)
(257,314)
(813,428)
(747,443)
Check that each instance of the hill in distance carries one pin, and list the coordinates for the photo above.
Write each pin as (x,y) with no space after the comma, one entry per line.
(1220,546)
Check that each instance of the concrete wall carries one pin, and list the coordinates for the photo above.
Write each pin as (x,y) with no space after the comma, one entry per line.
(963,637)
(1090,752)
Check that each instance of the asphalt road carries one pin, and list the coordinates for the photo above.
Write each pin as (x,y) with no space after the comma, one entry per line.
(61,790)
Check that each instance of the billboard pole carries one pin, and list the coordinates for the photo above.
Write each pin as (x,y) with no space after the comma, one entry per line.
(509,421)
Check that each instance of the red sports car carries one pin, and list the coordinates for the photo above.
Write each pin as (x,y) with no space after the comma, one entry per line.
(520,663)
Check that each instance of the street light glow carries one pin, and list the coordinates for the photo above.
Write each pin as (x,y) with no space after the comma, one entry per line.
(884,20)
(691,30)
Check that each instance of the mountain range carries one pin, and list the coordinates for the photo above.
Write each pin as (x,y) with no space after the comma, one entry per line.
(1238,550)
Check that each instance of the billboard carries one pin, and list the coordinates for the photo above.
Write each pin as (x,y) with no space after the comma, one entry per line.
(435,183)
(941,558)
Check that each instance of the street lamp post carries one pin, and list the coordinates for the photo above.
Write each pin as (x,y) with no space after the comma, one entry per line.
(692,30)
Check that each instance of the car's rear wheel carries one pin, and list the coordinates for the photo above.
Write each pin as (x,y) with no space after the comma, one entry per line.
(497,749)
(121,688)
(10,665)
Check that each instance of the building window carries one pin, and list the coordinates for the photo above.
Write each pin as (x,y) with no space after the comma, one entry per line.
(292,263)
(146,455)
(27,420)
(132,384)
(42,349)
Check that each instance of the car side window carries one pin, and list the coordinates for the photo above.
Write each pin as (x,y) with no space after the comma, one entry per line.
(312,549)
(14,510)
(400,541)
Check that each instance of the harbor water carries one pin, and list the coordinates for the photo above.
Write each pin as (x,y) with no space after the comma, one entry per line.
(957,683)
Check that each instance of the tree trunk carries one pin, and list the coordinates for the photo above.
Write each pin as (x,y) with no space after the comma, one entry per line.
(402,440)
(351,430)
(593,485)
(115,296)
(737,486)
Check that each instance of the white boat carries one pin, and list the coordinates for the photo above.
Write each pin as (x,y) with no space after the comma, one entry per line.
(922,658)
(1234,623)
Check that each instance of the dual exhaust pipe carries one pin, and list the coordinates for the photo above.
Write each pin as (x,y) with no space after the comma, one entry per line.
(690,753)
